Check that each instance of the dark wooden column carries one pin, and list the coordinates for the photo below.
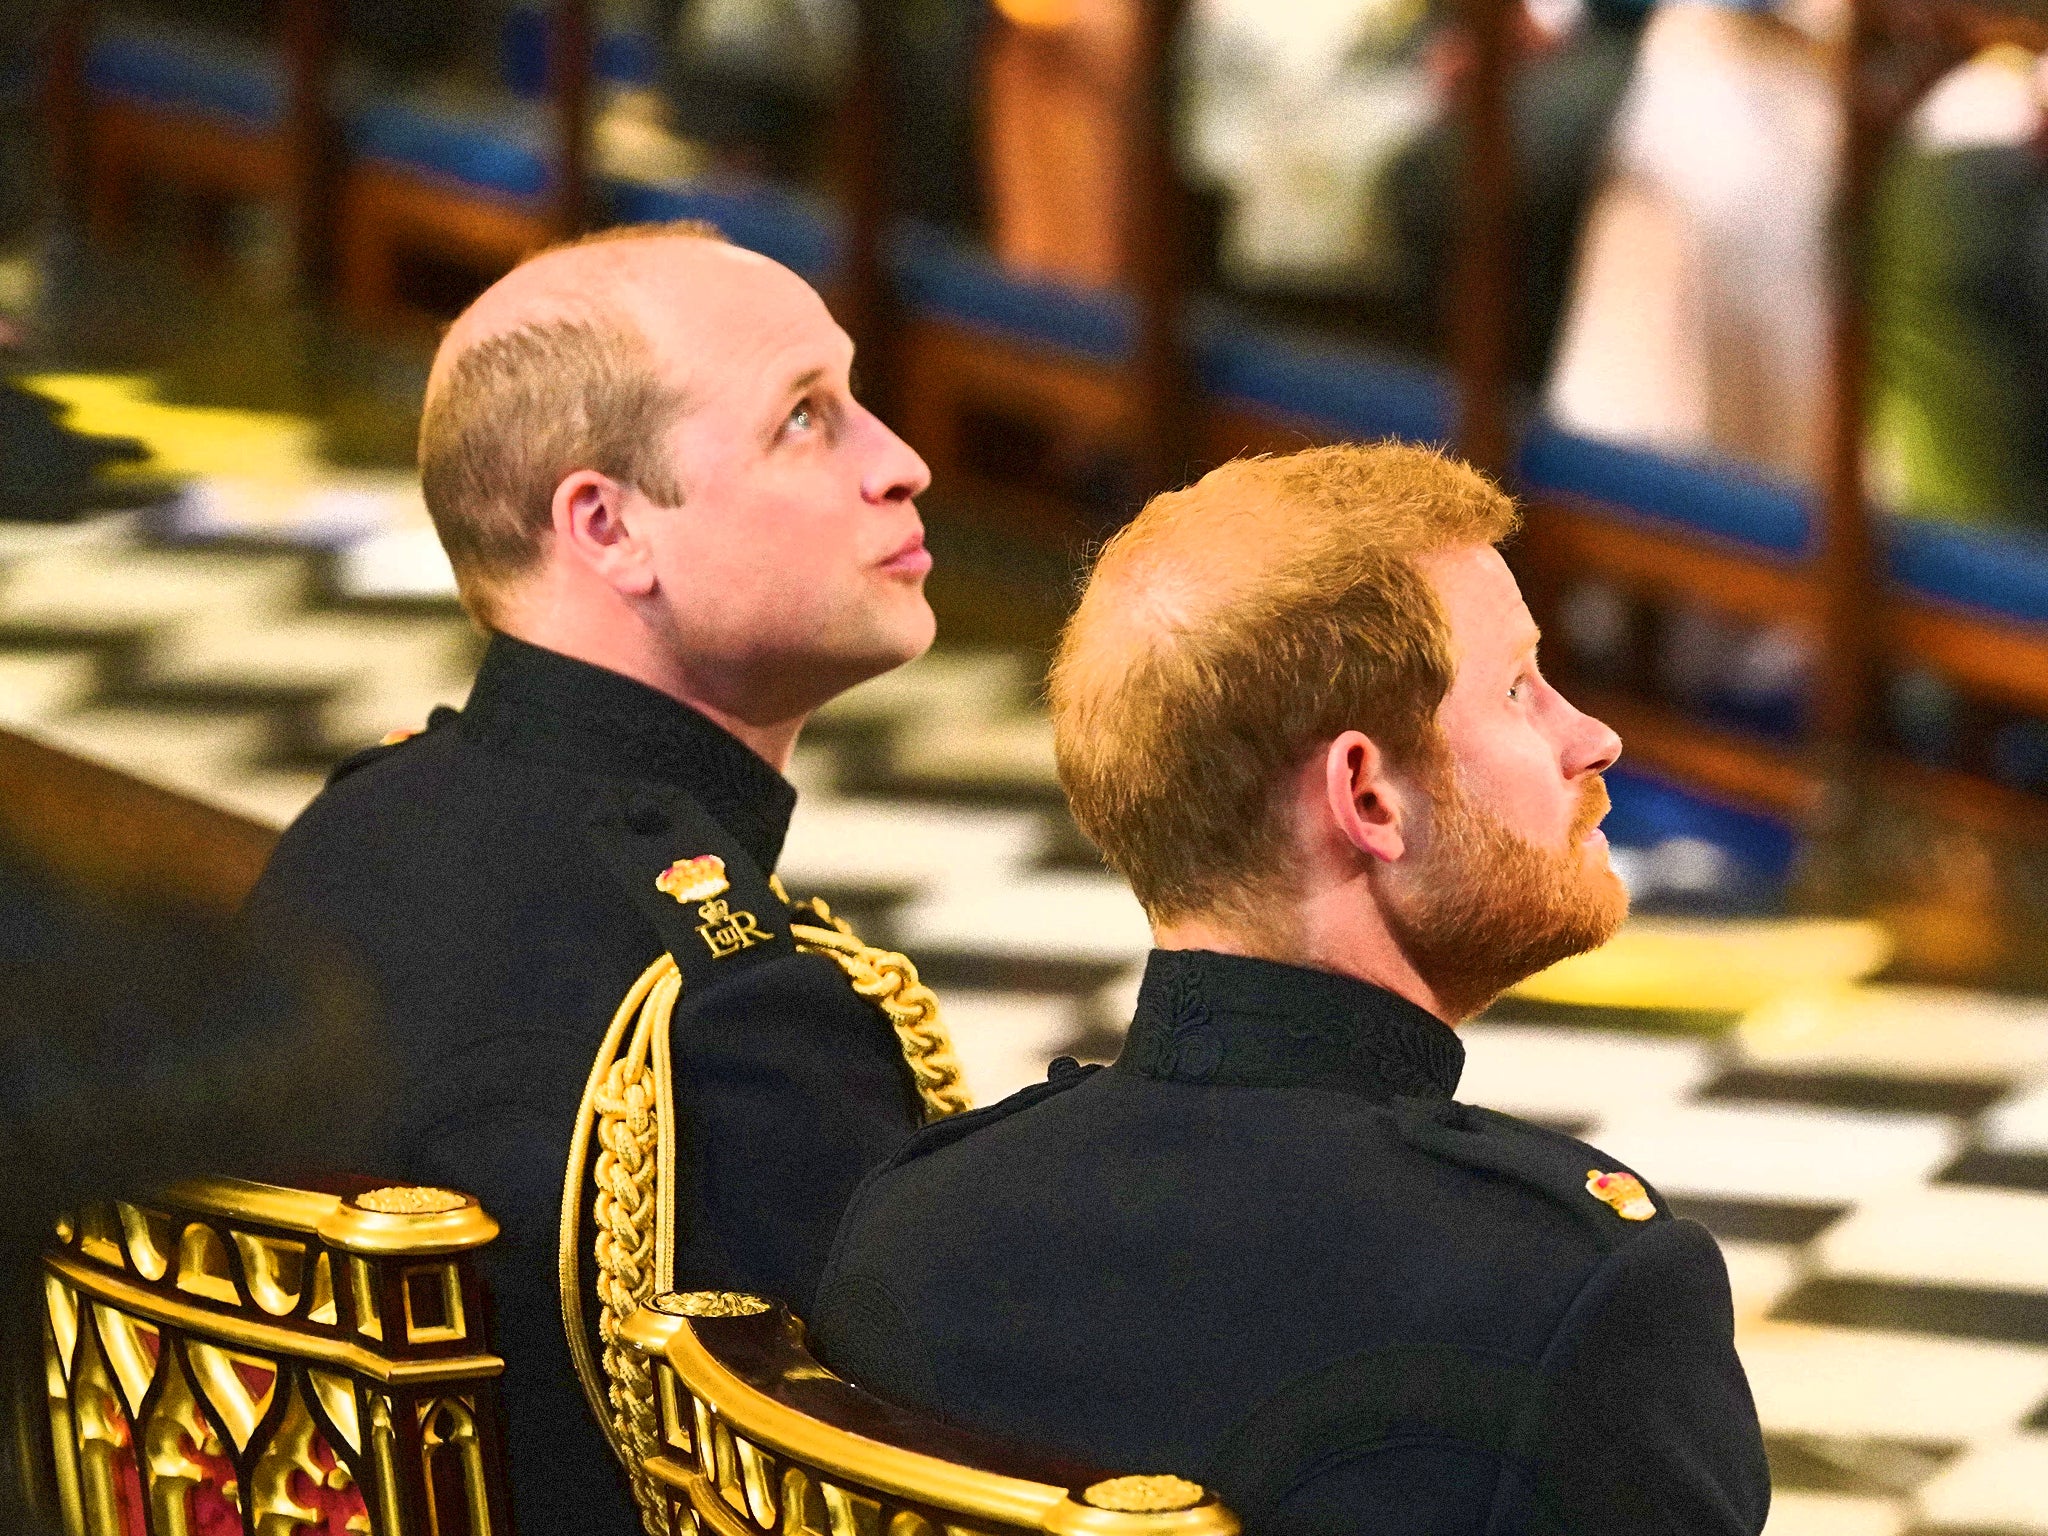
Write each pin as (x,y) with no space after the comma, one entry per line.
(1484,311)
(65,105)
(1156,243)
(569,70)
(1845,552)
(864,297)
(311,32)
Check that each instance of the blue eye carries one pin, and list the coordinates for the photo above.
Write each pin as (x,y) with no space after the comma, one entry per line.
(800,418)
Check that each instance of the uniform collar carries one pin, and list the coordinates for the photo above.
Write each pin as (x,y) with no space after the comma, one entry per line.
(542,705)
(1209,1018)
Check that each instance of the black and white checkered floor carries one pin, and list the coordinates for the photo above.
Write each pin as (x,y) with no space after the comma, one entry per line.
(1874,1158)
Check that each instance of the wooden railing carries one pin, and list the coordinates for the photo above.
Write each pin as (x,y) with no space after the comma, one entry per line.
(115,838)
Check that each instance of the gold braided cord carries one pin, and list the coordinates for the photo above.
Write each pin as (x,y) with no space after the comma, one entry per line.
(633,1216)
(632,1139)
(629,1134)
(889,980)
(569,1251)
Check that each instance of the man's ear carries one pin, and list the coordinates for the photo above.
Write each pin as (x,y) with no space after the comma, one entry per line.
(1367,806)
(594,528)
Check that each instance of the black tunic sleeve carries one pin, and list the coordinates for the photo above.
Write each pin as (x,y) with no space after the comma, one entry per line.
(1647,1425)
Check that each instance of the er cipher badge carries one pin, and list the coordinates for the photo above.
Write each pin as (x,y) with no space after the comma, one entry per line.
(702,880)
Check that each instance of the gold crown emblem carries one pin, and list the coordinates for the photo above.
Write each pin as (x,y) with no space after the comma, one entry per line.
(1623,1191)
(697,879)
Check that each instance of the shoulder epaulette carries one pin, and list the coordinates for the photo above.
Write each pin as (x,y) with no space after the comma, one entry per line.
(1611,1201)
(440,715)
(1066,1073)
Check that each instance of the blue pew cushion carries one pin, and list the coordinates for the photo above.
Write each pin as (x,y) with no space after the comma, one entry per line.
(618,57)
(942,276)
(503,148)
(2004,571)
(1718,499)
(792,227)
(175,67)
(1351,392)
(1355,393)
(1683,851)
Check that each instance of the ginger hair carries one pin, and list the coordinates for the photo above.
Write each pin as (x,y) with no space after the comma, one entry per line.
(1233,627)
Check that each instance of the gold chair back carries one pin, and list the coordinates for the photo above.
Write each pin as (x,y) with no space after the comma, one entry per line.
(229,1357)
(759,1439)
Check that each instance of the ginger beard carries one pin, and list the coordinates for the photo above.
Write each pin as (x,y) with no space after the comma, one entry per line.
(1488,908)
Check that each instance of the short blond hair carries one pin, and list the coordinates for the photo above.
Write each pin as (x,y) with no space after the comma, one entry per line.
(1234,626)
(516,412)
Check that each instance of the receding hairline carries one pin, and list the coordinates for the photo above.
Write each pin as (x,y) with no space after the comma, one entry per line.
(1191,553)
(555,287)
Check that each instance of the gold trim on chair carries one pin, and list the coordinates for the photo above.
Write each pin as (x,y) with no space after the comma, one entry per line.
(757,1437)
(242,1352)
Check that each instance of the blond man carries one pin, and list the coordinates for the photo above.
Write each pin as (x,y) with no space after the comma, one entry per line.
(683,534)
(1267,1250)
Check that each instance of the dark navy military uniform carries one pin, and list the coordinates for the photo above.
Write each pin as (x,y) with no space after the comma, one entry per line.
(493,877)
(1266,1250)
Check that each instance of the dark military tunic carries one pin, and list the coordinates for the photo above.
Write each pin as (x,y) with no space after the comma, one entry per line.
(458,869)
(1266,1250)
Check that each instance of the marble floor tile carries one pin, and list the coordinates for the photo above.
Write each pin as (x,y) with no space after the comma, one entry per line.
(1926,1032)
(141,588)
(273,798)
(2020,1124)
(1830,1514)
(1556,1073)
(37,687)
(1817,1380)
(893,843)
(1943,1234)
(401,563)
(1999,1485)
(1083,916)
(1759,1273)
(998,752)
(939,689)
(202,755)
(1005,1040)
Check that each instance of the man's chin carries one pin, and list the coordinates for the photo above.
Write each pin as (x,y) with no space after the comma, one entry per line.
(898,635)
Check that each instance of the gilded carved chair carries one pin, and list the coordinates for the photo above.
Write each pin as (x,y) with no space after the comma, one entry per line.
(756,1438)
(236,1359)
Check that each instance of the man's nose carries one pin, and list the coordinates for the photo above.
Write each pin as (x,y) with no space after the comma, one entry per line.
(895,472)
(1591,746)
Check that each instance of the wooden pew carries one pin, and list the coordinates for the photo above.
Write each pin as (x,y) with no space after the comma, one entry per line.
(110,836)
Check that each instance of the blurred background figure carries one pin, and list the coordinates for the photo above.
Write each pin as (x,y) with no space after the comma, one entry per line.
(1961,295)
(1698,320)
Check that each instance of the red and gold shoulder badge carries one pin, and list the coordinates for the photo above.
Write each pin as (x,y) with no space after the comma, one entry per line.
(393,738)
(1623,1191)
(697,879)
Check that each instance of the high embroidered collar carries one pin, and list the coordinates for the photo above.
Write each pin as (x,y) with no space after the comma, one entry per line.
(1209,1018)
(539,704)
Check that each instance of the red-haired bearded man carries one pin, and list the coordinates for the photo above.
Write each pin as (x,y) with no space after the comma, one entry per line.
(1267,1250)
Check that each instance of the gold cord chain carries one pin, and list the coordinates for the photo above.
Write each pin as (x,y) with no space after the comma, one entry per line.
(889,980)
